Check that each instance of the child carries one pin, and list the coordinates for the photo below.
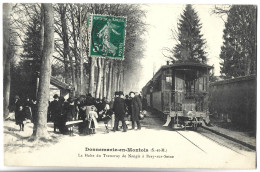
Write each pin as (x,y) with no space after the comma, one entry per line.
(92,118)
(107,116)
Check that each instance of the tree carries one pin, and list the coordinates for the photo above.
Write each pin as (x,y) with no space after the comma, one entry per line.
(126,72)
(66,48)
(31,56)
(7,7)
(100,62)
(70,31)
(239,48)
(189,42)
(110,72)
(117,70)
(45,74)
(27,30)
(32,41)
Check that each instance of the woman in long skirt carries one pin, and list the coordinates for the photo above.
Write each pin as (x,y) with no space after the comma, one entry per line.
(28,108)
(19,118)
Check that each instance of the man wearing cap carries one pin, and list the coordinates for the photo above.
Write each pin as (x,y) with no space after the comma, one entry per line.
(120,109)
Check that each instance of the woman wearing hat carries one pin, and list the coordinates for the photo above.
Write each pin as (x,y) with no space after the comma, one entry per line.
(19,113)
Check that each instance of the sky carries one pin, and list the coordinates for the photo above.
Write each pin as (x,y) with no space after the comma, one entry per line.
(161,18)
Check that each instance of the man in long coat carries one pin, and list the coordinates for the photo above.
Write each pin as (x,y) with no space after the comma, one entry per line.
(119,109)
(55,110)
(136,110)
(128,102)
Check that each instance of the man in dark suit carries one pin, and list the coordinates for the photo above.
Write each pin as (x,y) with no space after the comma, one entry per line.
(55,110)
(119,109)
(136,110)
(128,102)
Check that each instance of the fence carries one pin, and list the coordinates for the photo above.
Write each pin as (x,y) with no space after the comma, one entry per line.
(235,98)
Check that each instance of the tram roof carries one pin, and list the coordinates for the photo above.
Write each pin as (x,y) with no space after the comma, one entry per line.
(179,64)
(185,64)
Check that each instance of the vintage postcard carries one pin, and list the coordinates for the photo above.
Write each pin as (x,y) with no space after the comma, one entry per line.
(129,85)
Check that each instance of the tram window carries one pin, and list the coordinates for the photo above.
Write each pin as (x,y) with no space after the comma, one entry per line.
(168,82)
(203,84)
(157,84)
(189,86)
(179,81)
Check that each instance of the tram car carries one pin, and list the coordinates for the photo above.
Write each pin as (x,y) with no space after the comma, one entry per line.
(179,92)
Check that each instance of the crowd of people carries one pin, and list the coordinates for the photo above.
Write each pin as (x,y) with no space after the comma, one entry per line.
(86,111)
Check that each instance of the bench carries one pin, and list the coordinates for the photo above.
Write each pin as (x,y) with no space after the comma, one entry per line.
(71,124)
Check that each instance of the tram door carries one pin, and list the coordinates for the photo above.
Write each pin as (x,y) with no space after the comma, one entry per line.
(179,89)
(167,91)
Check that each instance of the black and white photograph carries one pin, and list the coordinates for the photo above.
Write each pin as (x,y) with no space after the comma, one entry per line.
(129,85)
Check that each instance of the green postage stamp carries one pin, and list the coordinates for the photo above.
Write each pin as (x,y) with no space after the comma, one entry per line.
(107,36)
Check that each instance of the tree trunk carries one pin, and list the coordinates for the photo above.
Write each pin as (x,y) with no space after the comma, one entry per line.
(100,71)
(101,85)
(112,80)
(122,79)
(118,77)
(115,78)
(63,9)
(7,7)
(41,50)
(66,71)
(78,79)
(118,82)
(81,55)
(92,76)
(73,76)
(43,95)
(7,84)
(42,30)
(75,52)
(109,96)
(121,73)
(105,79)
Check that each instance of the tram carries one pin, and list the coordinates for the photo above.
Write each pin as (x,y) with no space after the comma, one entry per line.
(180,92)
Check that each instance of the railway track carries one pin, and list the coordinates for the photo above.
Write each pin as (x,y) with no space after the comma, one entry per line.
(221,144)
(187,136)
(191,141)
(222,141)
